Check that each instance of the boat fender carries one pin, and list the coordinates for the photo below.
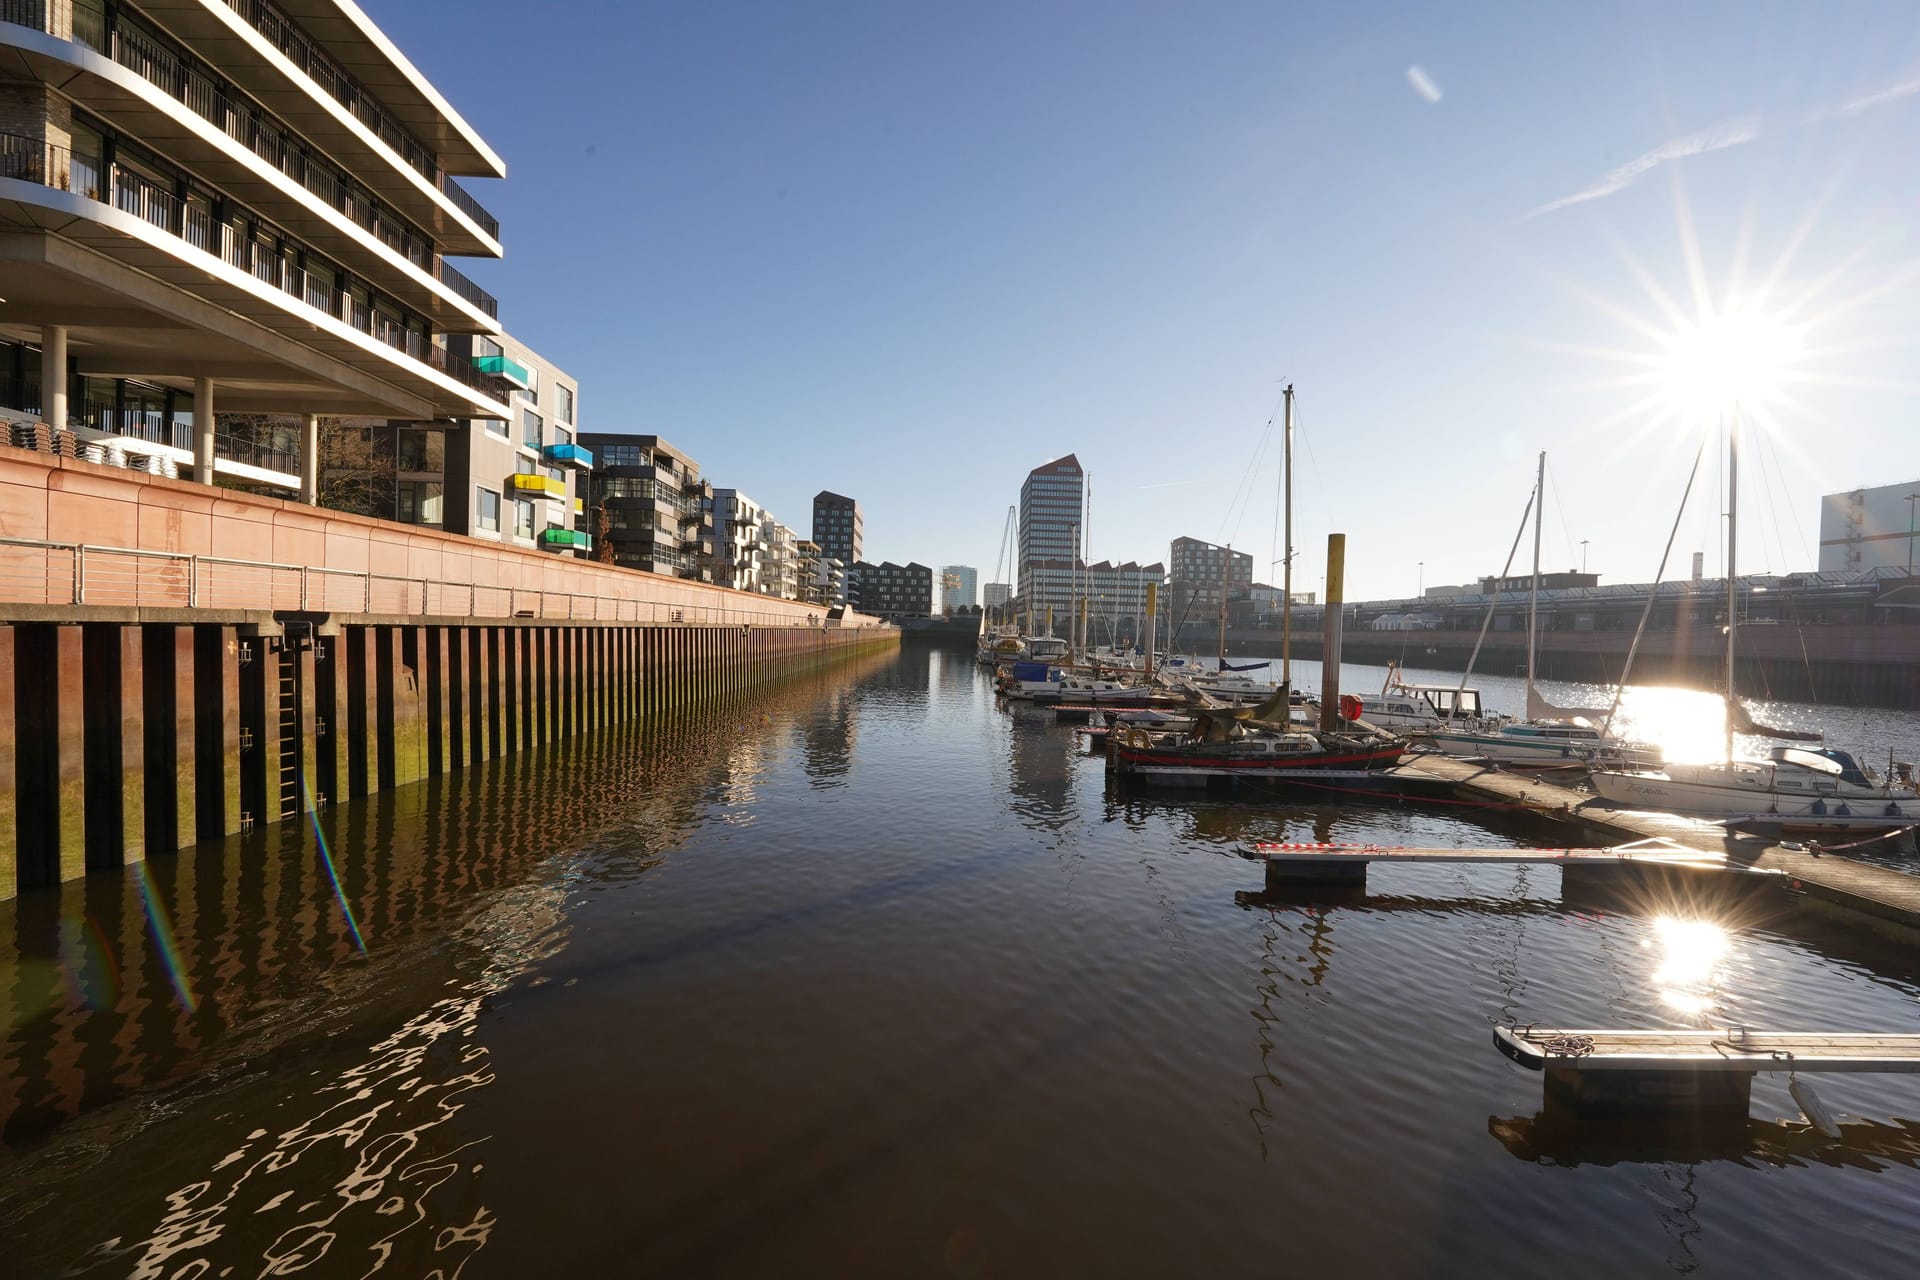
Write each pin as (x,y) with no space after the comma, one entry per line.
(1893,810)
(1843,811)
(1812,1108)
(1819,806)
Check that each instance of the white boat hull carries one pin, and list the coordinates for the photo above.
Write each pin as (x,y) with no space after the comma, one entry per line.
(1792,810)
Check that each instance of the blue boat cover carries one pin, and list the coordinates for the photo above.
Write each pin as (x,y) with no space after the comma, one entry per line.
(1030,671)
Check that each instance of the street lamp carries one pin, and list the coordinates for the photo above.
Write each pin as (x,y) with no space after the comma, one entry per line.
(1421,589)
(1911,499)
(1583,556)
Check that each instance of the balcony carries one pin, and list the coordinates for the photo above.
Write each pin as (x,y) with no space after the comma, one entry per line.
(142,50)
(501,367)
(538,486)
(566,455)
(275,263)
(558,539)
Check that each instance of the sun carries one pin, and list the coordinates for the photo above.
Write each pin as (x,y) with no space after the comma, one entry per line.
(1735,356)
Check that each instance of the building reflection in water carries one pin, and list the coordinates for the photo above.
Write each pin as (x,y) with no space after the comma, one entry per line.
(214,969)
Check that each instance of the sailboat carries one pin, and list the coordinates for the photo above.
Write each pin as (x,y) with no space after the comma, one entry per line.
(1258,742)
(1550,737)
(1795,789)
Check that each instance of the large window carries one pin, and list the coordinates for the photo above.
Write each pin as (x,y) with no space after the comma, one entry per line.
(563,400)
(487,510)
(624,455)
(530,429)
(523,519)
(421,502)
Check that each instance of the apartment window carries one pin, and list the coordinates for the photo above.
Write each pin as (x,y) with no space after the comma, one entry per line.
(421,502)
(530,428)
(623,455)
(523,519)
(563,403)
(487,509)
(421,451)
(495,427)
(523,465)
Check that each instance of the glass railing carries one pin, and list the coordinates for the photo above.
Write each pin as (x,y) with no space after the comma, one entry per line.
(32,160)
(566,538)
(546,486)
(567,455)
(149,55)
(502,367)
(284,34)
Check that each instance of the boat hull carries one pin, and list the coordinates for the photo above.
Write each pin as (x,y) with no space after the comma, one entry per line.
(1758,806)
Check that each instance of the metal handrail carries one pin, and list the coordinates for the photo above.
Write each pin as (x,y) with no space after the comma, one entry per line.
(94,579)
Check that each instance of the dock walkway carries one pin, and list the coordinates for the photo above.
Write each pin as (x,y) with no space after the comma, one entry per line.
(1882,894)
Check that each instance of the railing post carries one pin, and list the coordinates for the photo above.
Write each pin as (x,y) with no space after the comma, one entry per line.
(423,596)
(366,593)
(193,582)
(79,574)
(303,588)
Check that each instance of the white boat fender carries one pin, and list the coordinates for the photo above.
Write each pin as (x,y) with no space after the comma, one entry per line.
(1812,1108)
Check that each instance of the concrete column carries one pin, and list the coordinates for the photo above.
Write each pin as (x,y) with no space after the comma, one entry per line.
(203,430)
(53,375)
(310,461)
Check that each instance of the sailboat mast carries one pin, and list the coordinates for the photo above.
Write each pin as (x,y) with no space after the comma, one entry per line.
(1533,592)
(1733,531)
(1286,553)
(1226,584)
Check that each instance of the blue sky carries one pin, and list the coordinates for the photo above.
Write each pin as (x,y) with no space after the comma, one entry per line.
(908,251)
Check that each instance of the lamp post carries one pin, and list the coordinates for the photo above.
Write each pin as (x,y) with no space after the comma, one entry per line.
(1911,499)
(1583,556)
(1421,588)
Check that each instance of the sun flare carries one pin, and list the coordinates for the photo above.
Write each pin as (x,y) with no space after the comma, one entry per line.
(1737,356)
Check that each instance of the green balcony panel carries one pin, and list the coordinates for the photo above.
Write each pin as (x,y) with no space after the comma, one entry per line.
(566,538)
(501,367)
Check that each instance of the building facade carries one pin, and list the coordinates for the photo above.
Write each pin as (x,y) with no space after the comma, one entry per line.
(959,587)
(647,507)
(838,527)
(241,209)
(892,591)
(521,480)
(996,594)
(1051,502)
(1865,529)
(1197,573)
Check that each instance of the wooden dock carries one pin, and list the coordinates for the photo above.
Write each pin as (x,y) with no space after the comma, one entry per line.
(1854,892)
(1732,1049)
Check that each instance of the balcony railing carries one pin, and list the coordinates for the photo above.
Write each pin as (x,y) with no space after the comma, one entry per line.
(544,486)
(284,34)
(566,538)
(567,455)
(32,160)
(147,54)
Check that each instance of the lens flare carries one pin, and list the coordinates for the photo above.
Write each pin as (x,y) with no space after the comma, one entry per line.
(1690,955)
(161,927)
(333,875)
(1735,355)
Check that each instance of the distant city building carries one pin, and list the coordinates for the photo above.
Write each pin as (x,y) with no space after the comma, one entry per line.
(889,590)
(1051,502)
(1548,582)
(1869,528)
(959,586)
(1197,571)
(838,527)
(996,594)
(1117,598)
(649,504)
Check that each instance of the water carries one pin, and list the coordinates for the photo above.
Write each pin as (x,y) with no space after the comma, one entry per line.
(871,977)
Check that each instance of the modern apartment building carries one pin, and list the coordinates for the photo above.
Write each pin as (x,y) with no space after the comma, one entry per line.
(889,590)
(647,507)
(1051,505)
(1117,597)
(520,480)
(242,206)
(959,586)
(997,594)
(838,527)
(740,527)
(1874,528)
(1197,572)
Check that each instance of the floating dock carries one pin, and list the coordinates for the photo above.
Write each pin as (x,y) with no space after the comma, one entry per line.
(1849,890)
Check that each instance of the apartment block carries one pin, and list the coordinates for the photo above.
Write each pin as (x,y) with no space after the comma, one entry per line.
(891,591)
(647,507)
(959,587)
(1052,500)
(232,206)
(838,528)
(1201,577)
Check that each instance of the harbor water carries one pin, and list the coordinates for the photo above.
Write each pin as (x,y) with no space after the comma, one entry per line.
(871,975)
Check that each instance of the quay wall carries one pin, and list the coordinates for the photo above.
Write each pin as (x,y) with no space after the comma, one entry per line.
(180,664)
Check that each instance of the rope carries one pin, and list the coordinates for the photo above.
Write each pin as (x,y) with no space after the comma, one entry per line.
(1816,848)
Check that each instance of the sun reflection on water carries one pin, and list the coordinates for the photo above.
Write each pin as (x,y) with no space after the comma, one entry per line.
(1690,955)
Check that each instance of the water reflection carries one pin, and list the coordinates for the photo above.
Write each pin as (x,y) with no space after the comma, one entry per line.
(1690,952)
(1559,1137)
(216,971)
